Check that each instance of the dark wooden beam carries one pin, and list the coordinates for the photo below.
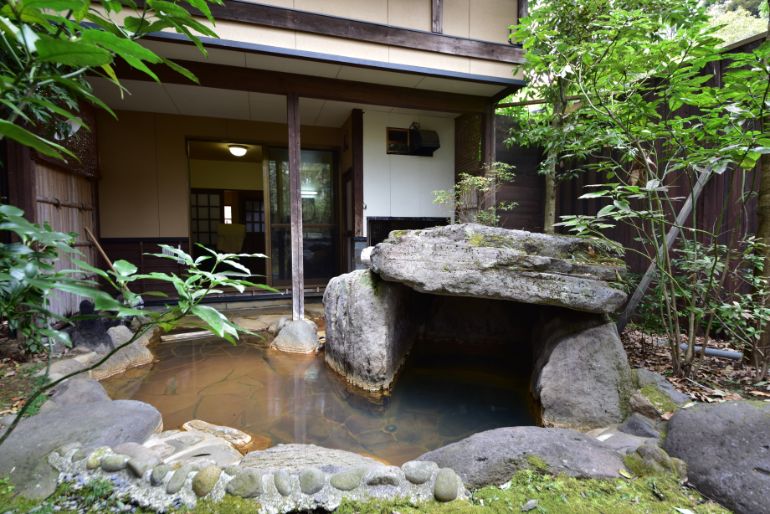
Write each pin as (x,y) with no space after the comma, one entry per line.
(295,199)
(522,10)
(437,16)
(303,21)
(275,82)
(357,128)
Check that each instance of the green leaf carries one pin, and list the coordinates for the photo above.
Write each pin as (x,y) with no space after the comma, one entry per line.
(124,268)
(180,69)
(214,319)
(71,53)
(27,138)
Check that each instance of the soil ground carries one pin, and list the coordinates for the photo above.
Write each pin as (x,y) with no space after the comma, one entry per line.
(714,379)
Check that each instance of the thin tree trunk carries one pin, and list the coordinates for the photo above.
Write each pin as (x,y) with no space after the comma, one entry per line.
(761,351)
(550,200)
(549,207)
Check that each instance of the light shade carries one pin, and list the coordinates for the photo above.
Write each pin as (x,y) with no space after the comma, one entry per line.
(237,150)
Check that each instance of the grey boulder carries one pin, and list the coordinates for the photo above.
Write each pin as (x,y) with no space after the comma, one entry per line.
(727,450)
(582,377)
(492,457)
(298,336)
(74,391)
(24,455)
(496,263)
(368,332)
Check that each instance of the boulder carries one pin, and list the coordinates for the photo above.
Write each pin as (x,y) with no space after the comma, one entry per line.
(90,330)
(240,440)
(24,455)
(727,450)
(492,457)
(649,379)
(640,426)
(298,336)
(299,457)
(496,263)
(581,378)
(368,332)
(74,391)
(133,355)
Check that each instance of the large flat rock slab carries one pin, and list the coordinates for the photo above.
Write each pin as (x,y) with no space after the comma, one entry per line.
(298,457)
(727,450)
(492,457)
(488,262)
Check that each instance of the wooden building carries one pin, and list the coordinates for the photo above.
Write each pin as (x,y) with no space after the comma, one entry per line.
(316,126)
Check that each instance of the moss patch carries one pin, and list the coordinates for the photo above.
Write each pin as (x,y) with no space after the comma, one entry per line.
(228,505)
(537,463)
(490,241)
(658,398)
(557,494)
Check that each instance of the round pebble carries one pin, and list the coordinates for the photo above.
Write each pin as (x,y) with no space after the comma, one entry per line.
(95,459)
(311,480)
(205,480)
(140,465)
(446,485)
(177,480)
(347,480)
(78,455)
(246,484)
(159,472)
(419,471)
(114,462)
(383,476)
(282,482)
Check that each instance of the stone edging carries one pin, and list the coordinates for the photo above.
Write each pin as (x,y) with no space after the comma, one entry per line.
(152,483)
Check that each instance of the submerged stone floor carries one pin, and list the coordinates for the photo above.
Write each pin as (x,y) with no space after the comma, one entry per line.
(288,398)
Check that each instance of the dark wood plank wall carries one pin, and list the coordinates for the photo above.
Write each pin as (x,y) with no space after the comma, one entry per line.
(136,250)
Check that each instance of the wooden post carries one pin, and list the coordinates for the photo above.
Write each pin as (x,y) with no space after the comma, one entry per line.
(437,17)
(295,198)
(522,10)
(489,154)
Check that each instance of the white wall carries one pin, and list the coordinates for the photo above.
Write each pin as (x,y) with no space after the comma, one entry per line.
(403,185)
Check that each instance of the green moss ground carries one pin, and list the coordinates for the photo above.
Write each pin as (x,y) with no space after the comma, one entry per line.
(555,494)
(651,494)
(659,399)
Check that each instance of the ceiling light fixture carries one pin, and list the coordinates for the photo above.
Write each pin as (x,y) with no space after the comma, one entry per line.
(237,150)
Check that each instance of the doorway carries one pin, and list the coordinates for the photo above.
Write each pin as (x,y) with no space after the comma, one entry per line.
(227,204)
(320,248)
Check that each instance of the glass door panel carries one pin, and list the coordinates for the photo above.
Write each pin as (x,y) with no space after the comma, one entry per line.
(319,230)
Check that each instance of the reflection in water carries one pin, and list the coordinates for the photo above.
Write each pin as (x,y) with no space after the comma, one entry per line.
(296,398)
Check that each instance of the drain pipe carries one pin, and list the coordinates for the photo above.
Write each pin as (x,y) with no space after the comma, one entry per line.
(710,352)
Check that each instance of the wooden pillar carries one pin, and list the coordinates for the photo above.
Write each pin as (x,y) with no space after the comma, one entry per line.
(522,10)
(488,150)
(358,171)
(437,17)
(295,198)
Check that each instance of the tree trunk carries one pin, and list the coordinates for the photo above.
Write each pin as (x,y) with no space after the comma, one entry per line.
(550,201)
(760,353)
(549,207)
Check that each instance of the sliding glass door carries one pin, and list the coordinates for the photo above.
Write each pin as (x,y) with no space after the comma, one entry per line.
(318,208)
